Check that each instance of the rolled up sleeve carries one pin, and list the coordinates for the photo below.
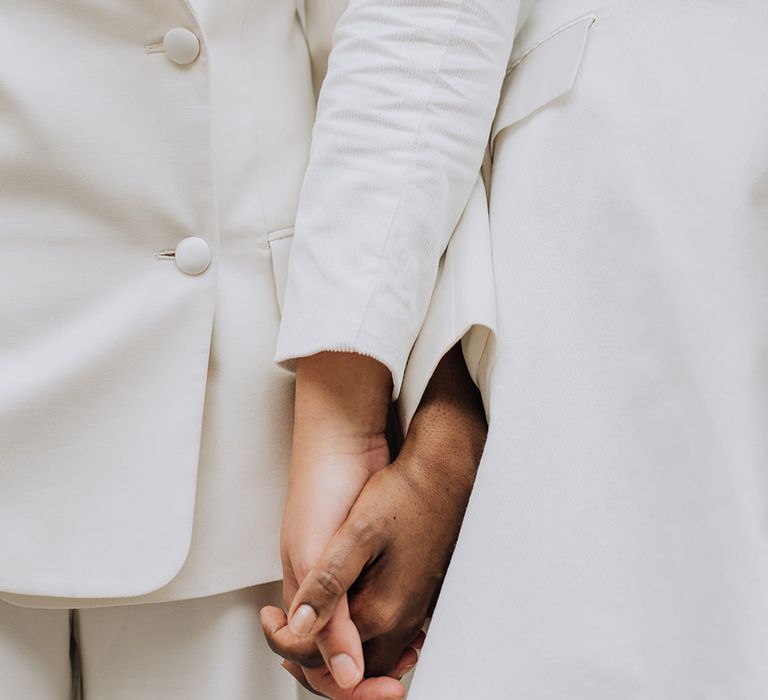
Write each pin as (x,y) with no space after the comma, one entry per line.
(402,123)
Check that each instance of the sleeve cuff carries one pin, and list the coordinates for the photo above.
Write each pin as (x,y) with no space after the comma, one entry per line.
(294,342)
(462,308)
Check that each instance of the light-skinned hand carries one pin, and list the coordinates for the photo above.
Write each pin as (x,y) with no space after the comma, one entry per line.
(391,551)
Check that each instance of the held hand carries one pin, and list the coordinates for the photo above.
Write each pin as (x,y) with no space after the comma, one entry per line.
(314,675)
(342,401)
(397,541)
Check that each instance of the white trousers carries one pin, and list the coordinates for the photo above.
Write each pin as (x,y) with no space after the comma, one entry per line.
(201,649)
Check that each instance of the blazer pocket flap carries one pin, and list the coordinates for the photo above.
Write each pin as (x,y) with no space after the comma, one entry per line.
(280,249)
(541,74)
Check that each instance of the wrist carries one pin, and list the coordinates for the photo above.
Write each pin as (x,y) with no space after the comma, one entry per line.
(447,434)
(340,414)
(342,392)
(444,446)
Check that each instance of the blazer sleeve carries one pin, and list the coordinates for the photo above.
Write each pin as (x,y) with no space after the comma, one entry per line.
(402,123)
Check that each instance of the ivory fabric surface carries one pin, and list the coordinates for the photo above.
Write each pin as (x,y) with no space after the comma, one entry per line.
(462,303)
(402,119)
(144,429)
(617,529)
(120,373)
(185,650)
(615,544)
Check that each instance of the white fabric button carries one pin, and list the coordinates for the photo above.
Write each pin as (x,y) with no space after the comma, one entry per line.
(193,255)
(181,45)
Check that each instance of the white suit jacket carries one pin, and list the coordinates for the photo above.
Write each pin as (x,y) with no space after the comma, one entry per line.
(151,158)
(151,154)
(617,527)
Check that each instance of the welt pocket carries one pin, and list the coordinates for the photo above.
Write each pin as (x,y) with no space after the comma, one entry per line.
(542,73)
(280,249)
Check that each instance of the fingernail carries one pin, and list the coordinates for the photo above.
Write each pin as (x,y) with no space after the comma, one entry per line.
(303,619)
(345,670)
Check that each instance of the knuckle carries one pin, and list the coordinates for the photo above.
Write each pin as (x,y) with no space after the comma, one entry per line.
(363,531)
(387,618)
(329,583)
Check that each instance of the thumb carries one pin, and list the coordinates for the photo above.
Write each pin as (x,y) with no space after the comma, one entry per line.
(337,568)
(342,649)
(342,679)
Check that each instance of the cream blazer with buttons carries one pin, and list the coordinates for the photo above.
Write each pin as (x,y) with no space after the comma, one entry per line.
(151,159)
(151,155)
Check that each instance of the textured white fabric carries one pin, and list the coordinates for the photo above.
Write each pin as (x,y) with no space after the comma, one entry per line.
(402,119)
(204,649)
(34,653)
(462,305)
(617,530)
(144,428)
(120,374)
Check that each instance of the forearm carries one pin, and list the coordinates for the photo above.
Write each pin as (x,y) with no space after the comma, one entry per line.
(339,440)
(340,393)
(448,431)
(397,540)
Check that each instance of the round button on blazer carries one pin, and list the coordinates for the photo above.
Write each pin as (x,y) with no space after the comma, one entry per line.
(151,161)
(150,152)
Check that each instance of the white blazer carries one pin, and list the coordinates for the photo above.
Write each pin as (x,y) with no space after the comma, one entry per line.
(617,528)
(151,158)
(151,153)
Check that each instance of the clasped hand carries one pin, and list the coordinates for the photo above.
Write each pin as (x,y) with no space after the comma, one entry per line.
(366,541)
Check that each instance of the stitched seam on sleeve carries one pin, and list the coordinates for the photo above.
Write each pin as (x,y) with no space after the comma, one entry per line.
(407,179)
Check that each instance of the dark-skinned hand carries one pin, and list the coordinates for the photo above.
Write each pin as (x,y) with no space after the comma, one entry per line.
(388,558)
